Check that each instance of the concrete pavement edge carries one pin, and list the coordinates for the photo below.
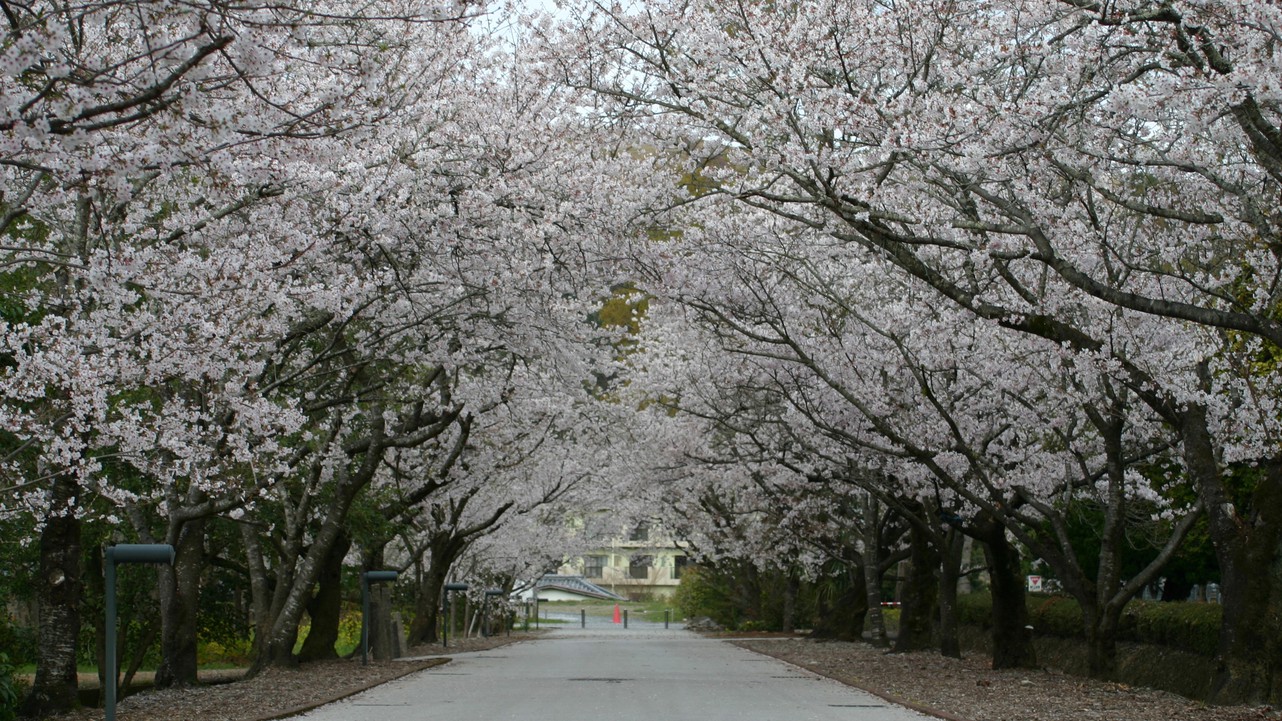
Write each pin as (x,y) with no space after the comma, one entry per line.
(312,705)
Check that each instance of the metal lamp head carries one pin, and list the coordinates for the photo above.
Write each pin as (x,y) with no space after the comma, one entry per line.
(379,576)
(140,553)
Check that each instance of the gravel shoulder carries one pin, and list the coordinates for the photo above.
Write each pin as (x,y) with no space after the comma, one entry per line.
(968,690)
(280,693)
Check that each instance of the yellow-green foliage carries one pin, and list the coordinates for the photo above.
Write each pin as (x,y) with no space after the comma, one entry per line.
(889,618)
(225,653)
(625,309)
(349,633)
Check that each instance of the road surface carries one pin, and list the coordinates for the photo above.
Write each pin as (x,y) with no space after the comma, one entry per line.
(644,673)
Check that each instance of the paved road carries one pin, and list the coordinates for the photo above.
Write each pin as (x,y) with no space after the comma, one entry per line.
(609,674)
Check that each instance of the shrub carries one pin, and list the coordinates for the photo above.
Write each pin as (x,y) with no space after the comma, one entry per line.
(11,689)
(975,609)
(1055,616)
(700,595)
(890,618)
(1189,626)
(18,643)
(1184,625)
(225,653)
(349,633)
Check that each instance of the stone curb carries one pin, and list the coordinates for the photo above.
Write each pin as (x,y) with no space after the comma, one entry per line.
(919,708)
(312,705)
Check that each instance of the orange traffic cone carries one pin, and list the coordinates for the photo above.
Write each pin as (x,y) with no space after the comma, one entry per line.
(617,618)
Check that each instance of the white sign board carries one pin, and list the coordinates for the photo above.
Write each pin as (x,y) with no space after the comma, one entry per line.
(1034,584)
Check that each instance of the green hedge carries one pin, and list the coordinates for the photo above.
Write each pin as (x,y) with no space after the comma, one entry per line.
(1188,626)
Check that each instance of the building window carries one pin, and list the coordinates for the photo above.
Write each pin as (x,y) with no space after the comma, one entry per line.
(594,566)
(640,533)
(639,567)
(679,564)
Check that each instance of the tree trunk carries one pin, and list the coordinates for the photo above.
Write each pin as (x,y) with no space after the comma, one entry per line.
(950,570)
(746,584)
(326,606)
(443,549)
(964,583)
(150,631)
(427,606)
(1103,609)
(872,570)
(920,606)
(58,591)
(1249,657)
(180,606)
(284,629)
(872,594)
(259,588)
(792,585)
(842,617)
(1012,634)
(1101,642)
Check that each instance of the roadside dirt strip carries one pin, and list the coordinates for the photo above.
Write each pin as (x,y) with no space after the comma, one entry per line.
(968,690)
(282,693)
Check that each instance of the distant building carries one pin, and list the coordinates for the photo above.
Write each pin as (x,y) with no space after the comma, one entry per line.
(644,564)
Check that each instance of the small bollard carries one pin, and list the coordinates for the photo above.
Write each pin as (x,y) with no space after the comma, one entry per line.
(667,616)
(625,618)
(583,618)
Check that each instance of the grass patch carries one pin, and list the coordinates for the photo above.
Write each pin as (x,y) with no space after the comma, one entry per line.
(597,608)
(549,621)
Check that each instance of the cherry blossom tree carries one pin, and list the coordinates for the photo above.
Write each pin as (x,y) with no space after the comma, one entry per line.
(1023,162)
(141,142)
(535,465)
(910,388)
(237,230)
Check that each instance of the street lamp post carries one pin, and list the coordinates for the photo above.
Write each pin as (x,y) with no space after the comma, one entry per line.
(368,577)
(123,553)
(485,605)
(445,625)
